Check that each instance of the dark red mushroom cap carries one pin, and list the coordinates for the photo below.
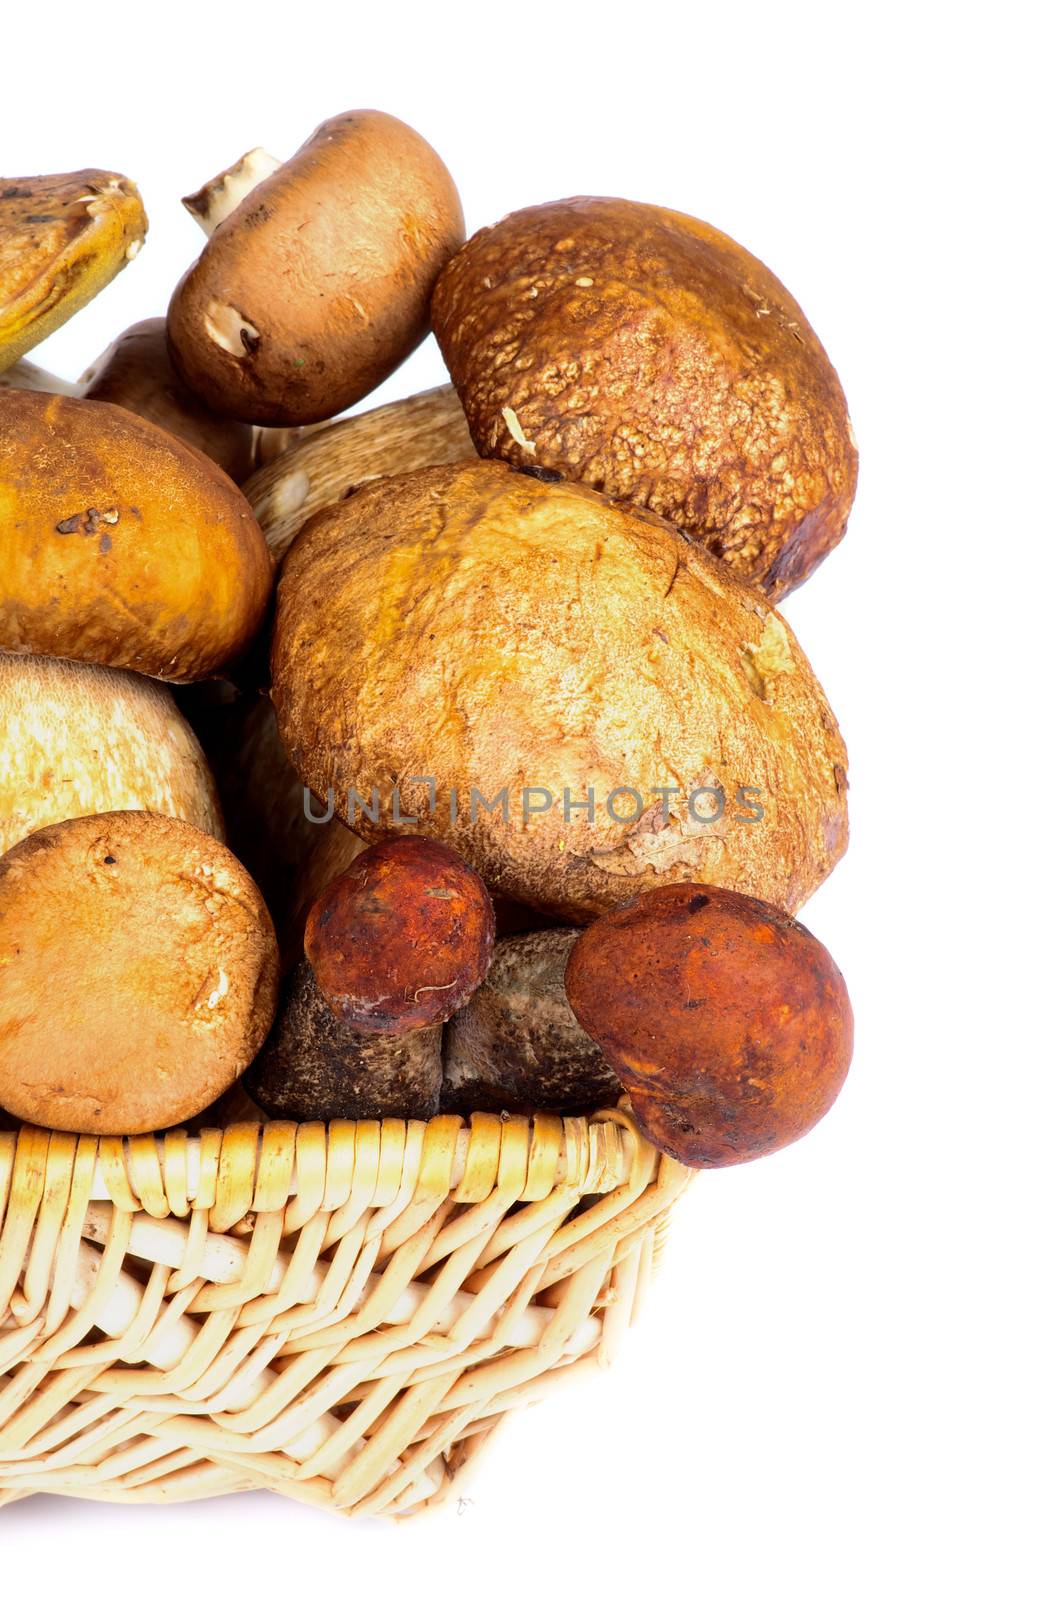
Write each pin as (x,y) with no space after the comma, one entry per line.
(402,938)
(727,1022)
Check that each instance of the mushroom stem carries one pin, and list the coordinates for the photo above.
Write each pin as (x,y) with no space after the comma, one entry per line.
(26,375)
(423,430)
(217,199)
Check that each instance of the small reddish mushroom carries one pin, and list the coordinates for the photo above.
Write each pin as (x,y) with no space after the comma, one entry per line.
(726,1021)
(402,938)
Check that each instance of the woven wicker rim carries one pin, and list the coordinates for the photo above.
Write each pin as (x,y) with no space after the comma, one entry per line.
(341,1314)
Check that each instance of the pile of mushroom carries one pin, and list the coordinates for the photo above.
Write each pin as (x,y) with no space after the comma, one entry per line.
(522,773)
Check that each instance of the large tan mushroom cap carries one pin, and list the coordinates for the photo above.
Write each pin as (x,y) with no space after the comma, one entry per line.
(62,239)
(484,628)
(318,284)
(650,356)
(139,973)
(120,544)
(77,739)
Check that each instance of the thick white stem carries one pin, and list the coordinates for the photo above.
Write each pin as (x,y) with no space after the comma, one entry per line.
(217,199)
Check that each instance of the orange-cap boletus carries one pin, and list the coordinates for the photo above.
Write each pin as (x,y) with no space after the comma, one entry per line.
(121,544)
(648,355)
(402,938)
(727,1022)
(316,283)
(314,1067)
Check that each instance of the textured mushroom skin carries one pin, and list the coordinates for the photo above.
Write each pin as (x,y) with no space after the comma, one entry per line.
(139,973)
(319,282)
(648,355)
(76,740)
(135,371)
(479,626)
(314,1067)
(727,1022)
(121,544)
(402,938)
(63,237)
(517,1045)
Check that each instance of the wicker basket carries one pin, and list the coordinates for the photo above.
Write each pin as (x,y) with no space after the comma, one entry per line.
(341,1314)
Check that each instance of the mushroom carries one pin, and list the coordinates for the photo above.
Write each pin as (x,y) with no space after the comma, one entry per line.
(649,356)
(121,544)
(580,701)
(315,281)
(139,973)
(313,1067)
(728,1023)
(77,739)
(136,372)
(62,239)
(425,430)
(393,947)
(517,1045)
(402,938)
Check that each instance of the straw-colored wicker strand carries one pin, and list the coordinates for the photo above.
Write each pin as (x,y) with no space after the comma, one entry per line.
(340,1313)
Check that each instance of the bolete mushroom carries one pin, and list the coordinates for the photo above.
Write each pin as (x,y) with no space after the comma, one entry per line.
(77,739)
(578,699)
(136,372)
(139,973)
(648,355)
(393,947)
(517,1045)
(402,938)
(313,1067)
(62,239)
(424,430)
(122,545)
(315,282)
(727,1022)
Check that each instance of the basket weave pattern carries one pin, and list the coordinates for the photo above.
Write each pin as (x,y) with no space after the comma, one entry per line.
(341,1314)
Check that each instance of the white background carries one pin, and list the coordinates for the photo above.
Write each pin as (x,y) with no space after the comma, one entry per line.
(845,1383)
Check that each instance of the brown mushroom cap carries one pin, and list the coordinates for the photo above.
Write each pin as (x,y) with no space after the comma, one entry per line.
(122,545)
(63,237)
(727,1021)
(318,284)
(402,938)
(139,973)
(649,356)
(77,740)
(498,633)
(136,372)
